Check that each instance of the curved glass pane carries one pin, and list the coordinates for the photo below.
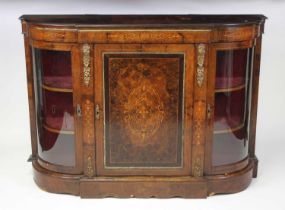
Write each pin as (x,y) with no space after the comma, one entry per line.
(55,107)
(230,142)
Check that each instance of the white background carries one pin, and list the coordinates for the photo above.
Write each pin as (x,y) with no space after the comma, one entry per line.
(17,189)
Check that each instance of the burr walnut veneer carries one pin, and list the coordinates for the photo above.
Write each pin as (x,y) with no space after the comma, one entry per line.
(143,105)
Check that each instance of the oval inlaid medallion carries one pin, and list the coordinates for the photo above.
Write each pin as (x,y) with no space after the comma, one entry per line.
(144,113)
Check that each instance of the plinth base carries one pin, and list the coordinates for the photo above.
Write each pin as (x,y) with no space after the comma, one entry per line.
(143,186)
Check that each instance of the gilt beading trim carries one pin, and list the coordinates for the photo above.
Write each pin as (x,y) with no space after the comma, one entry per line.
(90,170)
(201,49)
(197,169)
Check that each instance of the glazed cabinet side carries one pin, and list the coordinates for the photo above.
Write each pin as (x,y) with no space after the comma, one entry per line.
(228,111)
(56,69)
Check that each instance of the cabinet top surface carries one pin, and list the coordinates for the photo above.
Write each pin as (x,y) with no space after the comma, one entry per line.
(144,20)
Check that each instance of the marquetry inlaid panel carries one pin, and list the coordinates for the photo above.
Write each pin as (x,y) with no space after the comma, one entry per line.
(143,109)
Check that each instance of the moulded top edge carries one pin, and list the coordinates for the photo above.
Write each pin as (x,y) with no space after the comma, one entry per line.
(145,20)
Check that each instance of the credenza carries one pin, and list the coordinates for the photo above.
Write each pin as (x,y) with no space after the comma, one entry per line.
(143,105)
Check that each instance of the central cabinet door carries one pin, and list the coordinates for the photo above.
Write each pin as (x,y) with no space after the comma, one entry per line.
(143,100)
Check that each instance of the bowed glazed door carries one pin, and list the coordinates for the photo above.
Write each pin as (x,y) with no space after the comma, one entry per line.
(57,99)
(229,89)
(143,99)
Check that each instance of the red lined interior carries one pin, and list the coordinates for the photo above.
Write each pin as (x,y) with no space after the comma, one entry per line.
(56,107)
(58,110)
(229,109)
(58,82)
(231,68)
(231,71)
(56,67)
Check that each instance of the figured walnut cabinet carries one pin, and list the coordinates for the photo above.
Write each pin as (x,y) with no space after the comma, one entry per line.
(143,105)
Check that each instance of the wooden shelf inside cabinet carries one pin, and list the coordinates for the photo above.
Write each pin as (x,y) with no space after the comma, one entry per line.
(54,130)
(57,83)
(229,130)
(231,89)
(56,89)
